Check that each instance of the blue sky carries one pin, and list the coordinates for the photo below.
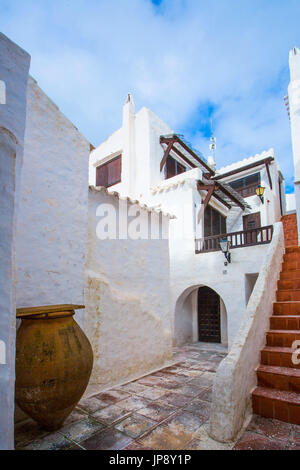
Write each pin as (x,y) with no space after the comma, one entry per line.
(187,60)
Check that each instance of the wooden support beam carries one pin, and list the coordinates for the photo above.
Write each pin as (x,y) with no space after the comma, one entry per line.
(247,167)
(210,190)
(206,187)
(269,175)
(168,150)
(194,155)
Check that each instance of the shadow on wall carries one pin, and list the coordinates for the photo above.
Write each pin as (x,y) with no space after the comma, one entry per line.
(188,312)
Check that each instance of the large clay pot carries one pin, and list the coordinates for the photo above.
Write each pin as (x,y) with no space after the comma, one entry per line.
(54,361)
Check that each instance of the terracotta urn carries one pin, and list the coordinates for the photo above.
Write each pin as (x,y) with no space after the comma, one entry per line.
(54,361)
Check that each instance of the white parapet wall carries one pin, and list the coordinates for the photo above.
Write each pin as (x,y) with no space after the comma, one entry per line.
(236,375)
(127,317)
(52,222)
(14,67)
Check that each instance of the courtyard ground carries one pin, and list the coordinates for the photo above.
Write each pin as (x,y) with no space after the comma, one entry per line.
(165,410)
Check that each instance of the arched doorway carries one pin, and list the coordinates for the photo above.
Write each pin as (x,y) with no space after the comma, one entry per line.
(188,309)
(209,316)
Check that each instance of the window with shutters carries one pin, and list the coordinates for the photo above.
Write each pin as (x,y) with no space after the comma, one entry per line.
(214,222)
(246,186)
(173,168)
(109,173)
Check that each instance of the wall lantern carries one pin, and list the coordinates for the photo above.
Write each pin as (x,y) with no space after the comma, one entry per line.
(225,247)
(260,192)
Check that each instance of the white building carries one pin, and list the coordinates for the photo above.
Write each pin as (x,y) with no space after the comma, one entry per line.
(294,114)
(146,160)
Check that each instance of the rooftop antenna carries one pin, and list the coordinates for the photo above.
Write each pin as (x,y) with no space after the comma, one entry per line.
(212,147)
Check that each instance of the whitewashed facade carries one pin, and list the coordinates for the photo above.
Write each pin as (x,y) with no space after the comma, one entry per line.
(139,143)
(14,67)
(127,292)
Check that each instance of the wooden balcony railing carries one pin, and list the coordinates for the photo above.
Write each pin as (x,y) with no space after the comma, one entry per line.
(256,236)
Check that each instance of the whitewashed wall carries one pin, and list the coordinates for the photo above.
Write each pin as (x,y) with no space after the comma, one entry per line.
(14,67)
(127,300)
(52,224)
(294,103)
(270,211)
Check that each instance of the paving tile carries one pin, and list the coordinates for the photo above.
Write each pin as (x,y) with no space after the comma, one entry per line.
(176,399)
(200,407)
(111,414)
(109,439)
(53,441)
(133,403)
(150,380)
(28,431)
(81,429)
(187,420)
(205,380)
(254,441)
(157,411)
(170,436)
(135,425)
(136,446)
(271,428)
(91,404)
(76,415)
(152,393)
(189,390)
(134,387)
(206,395)
(112,396)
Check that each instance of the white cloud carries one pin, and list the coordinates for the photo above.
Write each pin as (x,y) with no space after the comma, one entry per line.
(174,59)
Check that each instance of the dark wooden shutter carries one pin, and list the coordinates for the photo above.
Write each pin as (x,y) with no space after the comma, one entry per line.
(109,173)
(101,175)
(114,171)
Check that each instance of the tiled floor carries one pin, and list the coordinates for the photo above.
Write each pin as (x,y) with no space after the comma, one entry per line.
(165,410)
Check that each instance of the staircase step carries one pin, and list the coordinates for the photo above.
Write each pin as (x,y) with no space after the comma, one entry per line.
(292,249)
(285,322)
(290,265)
(291,256)
(277,356)
(282,338)
(288,284)
(288,295)
(276,404)
(290,275)
(286,308)
(280,378)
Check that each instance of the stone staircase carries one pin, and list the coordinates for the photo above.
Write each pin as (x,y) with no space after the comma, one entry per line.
(278,392)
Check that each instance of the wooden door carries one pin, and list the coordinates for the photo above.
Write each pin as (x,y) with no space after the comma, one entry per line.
(209,315)
(251,221)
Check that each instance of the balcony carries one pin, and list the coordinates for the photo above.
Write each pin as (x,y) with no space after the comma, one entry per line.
(256,236)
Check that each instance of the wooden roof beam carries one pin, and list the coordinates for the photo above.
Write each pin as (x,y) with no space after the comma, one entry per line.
(206,187)
(247,167)
(166,140)
(168,150)
(232,197)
